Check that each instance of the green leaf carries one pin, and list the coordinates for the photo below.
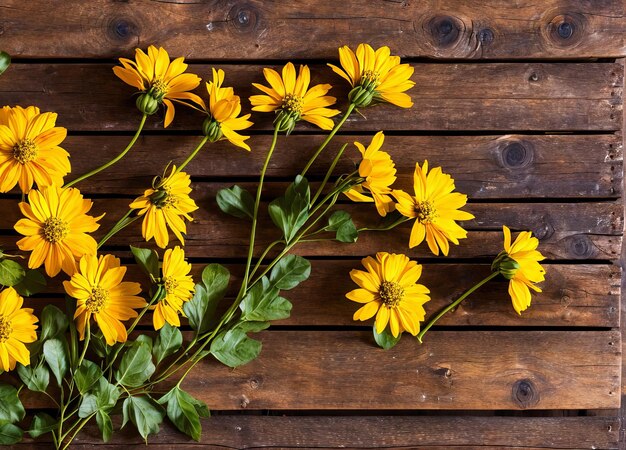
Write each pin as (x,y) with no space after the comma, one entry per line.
(147,259)
(146,340)
(201,308)
(252,327)
(215,278)
(342,223)
(236,201)
(103,398)
(289,272)
(11,273)
(33,283)
(10,434)
(35,378)
(42,423)
(185,411)
(55,353)
(234,348)
(385,339)
(5,61)
(11,408)
(105,425)
(143,414)
(53,322)
(291,211)
(136,365)
(86,376)
(262,303)
(167,342)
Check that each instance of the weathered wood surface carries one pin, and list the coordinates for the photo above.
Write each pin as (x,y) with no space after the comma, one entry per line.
(372,432)
(498,96)
(229,29)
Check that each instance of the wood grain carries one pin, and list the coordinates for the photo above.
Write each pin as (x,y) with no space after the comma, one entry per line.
(253,29)
(498,96)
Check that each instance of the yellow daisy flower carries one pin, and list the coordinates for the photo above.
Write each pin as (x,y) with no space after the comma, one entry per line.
(379,172)
(29,149)
(224,107)
(17,327)
(435,209)
(376,76)
(519,263)
(390,291)
(100,293)
(165,206)
(291,96)
(56,227)
(179,288)
(160,80)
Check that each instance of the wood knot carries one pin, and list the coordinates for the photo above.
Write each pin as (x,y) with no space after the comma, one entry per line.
(255,383)
(486,36)
(445,30)
(580,247)
(122,29)
(525,394)
(544,230)
(565,29)
(244,17)
(517,154)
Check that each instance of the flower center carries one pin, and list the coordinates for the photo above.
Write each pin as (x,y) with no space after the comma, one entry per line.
(97,299)
(293,103)
(5,329)
(391,293)
(160,88)
(426,212)
(162,198)
(170,284)
(25,151)
(370,79)
(55,230)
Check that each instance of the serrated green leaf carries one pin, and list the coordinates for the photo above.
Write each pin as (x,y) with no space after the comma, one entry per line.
(41,424)
(342,223)
(136,366)
(55,353)
(33,283)
(105,425)
(385,339)
(10,434)
(86,376)
(11,273)
(53,322)
(236,201)
(11,408)
(5,62)
(290,271)
(35,378)
(262,303)
(291,211)
(167,342)
(234,348)
(143,414)
(147,259)
(185,411)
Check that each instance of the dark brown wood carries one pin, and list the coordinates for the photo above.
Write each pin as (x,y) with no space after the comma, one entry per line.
(528,96)
(255,29)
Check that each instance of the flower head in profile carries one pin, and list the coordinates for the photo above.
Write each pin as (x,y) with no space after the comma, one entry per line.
(56,227)
(178,286)
(379,173)
(29,149)
(519,263)
(159,80)
(100,293)
(435,209)
(224,109)
(375,76)
(17,327)
(164,207)
(388,289)
(290,97)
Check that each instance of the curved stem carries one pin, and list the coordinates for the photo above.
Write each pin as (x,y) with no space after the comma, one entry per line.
(264,254)
(84,352)
(454,304)
(119,226)
(114,160)
(328,138)
(193,154)
(329,173)
(388,227)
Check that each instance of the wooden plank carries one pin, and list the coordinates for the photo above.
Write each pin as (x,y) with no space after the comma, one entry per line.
(452,370)
(564,97)
(574,295)
(380,431)
(513,166)
(258,30)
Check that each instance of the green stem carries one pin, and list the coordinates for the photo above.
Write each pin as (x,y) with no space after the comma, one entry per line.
(454,304)
(193,154)
(329,173)
(400,221)
(119,226)
(76,427)
(264,254)
(84,352)
(114,160)
(328,138)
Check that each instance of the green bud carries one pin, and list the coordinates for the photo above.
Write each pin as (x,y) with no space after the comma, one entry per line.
(286,121)
(506,265)
(147,104)
(158,198)
(212,129)
(361,97)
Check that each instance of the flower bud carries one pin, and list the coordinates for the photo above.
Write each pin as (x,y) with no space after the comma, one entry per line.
(147,104)
(506,265)
(361,97)
(212,130)
(286,121)
(158,197)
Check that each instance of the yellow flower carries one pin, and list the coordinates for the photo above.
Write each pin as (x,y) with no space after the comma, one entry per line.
(159,80)
(224,107)
(29,149)
(390,291)
(379,172)
(178,286)
(17,327)
(56,227)
(165,205)
(291,97)
(375,76)
(519,263)
(100,293)
(435,209)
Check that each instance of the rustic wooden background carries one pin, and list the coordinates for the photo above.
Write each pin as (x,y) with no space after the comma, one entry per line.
(521,102)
